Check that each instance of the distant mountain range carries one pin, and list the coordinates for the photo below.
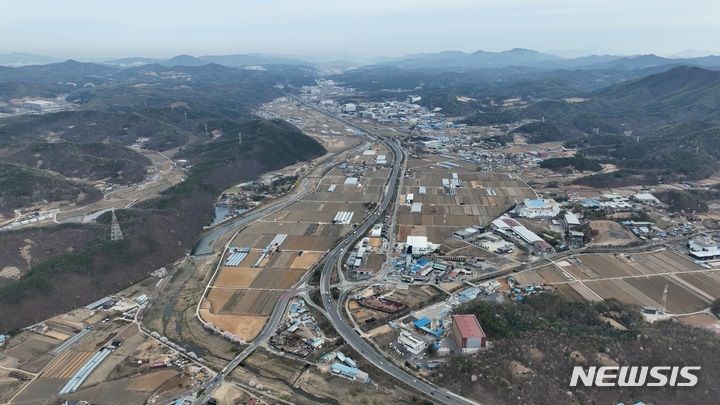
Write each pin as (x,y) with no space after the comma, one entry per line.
(446,60)
(22,59)
(456,60)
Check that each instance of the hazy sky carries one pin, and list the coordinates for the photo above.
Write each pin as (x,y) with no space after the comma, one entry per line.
(162,28)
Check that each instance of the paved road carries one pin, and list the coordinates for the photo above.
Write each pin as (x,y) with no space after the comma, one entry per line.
(332,260)
(349,334)
(204,245)
(267,331)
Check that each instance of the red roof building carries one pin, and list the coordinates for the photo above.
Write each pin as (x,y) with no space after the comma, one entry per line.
(467,333)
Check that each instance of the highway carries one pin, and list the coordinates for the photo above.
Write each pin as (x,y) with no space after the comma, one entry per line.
(332,260)
(349,334)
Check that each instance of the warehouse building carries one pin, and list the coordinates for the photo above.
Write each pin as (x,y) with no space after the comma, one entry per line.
(539,208)
(704,248)
(467,334)
(350,372)
(418,245)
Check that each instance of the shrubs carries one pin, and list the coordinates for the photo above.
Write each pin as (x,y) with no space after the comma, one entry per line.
(580,163)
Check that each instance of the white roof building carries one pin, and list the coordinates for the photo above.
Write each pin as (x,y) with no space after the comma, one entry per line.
(647,198)
(412,343)
(419,244)
(572,220)
(704,248)
(539,208)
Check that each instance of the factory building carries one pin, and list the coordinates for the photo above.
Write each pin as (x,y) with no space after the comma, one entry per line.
(412,343)
(418,245)
(704,248)
(571,221)
(351,373)
(512,228)
(466,233)
(467,333)
(539,208)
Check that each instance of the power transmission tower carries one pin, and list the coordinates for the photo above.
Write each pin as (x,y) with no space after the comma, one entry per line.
(664,299)
(239,138)
(115,231)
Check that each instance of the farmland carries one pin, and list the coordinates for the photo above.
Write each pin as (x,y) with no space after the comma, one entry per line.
(283,246)
(480,197)
(57,349)
(637,279)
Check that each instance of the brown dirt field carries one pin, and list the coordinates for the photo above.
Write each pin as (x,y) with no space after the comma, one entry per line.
(66,364)
(282,259)
(244,304)
(375,261)
(679,299)
(569,292)
(707,282)
(551,274)
(152,381)
(237,277)
(621,291)
(530,277)
(704,321)
(306,261)
(318,244)
(57,335)
(34,346)
(217,297)
(607,266)
(278,279)
(611,233)
(244,326)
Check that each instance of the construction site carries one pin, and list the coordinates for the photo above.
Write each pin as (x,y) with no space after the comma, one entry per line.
(373,306)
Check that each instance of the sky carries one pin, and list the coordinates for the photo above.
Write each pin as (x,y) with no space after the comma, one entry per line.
(358,29)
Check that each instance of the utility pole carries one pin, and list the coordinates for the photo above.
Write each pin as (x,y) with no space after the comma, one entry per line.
(115,231)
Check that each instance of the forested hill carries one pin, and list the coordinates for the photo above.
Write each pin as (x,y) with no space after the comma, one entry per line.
(157,232)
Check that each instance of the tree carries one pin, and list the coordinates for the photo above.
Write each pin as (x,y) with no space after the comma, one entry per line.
(715,307)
